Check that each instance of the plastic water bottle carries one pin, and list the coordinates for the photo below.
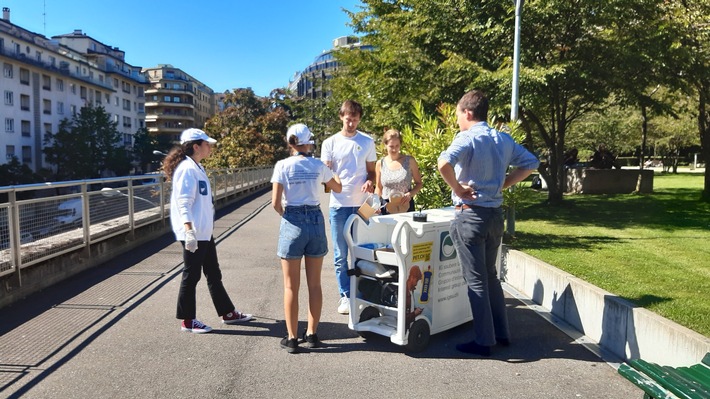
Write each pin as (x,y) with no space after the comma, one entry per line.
(374,201)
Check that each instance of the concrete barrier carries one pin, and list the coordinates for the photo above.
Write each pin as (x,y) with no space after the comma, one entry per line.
(618,326)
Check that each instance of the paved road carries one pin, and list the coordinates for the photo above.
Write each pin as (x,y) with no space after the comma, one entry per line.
(111,332)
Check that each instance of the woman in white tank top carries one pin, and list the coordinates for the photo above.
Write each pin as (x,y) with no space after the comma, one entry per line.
(395,174)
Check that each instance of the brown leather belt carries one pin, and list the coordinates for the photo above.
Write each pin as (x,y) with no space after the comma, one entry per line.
(463,206)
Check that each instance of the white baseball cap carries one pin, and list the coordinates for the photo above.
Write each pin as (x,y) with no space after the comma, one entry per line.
(302,133)
(193,134)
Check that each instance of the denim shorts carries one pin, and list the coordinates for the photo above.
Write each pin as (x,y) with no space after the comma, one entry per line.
(302,233)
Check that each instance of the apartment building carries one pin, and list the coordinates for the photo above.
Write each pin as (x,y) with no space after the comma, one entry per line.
(176,101)
(45,80)
(126,103)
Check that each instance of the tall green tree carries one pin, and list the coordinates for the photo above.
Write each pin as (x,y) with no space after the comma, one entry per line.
(435,50)
(15,173)
(251,131)
(690,17)
(144,144)
(87,146)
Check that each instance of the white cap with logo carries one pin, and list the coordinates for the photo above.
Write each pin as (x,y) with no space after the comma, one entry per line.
(193,134)
(302,133)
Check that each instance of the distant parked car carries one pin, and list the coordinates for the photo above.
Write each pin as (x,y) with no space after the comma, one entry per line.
(69,212)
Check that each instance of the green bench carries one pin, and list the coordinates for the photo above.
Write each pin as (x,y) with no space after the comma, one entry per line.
(669,382)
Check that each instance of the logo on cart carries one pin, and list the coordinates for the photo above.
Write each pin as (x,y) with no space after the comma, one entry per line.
(447,250)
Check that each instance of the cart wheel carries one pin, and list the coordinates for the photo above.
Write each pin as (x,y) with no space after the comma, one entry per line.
(418,336)
(368,313)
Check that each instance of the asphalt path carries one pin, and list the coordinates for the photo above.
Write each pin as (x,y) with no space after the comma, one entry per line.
(111,332)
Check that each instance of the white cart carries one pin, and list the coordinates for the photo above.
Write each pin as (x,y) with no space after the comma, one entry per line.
(388,251)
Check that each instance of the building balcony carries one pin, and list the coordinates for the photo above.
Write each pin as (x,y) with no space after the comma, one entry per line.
(165,130)
(172,117)
(149,104)
(163,91)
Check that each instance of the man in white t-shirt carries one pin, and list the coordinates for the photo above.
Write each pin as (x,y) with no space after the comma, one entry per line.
(351,155)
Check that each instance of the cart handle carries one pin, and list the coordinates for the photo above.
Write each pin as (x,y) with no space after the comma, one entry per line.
(348,230)
(400,239)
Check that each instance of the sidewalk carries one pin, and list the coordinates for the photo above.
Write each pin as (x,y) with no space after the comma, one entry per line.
(111,332)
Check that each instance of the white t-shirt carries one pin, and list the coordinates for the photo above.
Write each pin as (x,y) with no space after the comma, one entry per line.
(349,157)
(301,178)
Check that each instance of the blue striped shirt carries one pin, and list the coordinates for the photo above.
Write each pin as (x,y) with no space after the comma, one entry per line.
(483,154)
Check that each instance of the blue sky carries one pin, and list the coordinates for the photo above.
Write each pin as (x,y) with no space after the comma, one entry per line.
(226,44)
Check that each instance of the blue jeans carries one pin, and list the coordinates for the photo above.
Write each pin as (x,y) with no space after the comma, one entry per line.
(477,234)
(302,233)
(338,217)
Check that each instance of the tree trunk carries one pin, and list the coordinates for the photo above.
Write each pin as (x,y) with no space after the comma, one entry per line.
(644,136)
(704,129)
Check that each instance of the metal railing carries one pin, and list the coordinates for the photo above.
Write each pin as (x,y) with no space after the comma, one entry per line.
(42,221)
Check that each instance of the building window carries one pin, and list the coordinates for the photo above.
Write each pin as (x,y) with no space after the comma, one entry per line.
(176,99)
(166,99)
(126,104)
(72,88)
(47,107)
(47,128)
(60,108)
(60,85)
(115,83)
(25,76)
(9,152)
(82,92)
(26,154)
(46,82)
(9,125)
(126,121)
(7,71)
(8,97)
(24,102)
(52,60)
(72,109)
(115,101)
(25,127)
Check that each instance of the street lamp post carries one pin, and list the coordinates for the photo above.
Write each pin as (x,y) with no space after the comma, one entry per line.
(516,62)
(510,225)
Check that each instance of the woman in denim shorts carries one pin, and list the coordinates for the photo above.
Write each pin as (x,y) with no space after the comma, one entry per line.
(296,185)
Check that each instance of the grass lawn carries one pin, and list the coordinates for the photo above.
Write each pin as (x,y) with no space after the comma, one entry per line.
(652,249)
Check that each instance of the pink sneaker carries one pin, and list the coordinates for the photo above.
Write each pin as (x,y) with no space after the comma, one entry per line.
(235,317)
(196,327)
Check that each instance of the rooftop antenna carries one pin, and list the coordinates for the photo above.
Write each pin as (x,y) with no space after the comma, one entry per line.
(44,16)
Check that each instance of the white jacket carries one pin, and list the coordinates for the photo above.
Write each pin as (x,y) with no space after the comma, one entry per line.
(191,201)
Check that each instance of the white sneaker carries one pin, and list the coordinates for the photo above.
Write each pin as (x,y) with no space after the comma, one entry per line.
(344,305)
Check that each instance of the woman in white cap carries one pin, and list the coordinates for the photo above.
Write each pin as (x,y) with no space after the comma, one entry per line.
(192,219)
(295,196)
